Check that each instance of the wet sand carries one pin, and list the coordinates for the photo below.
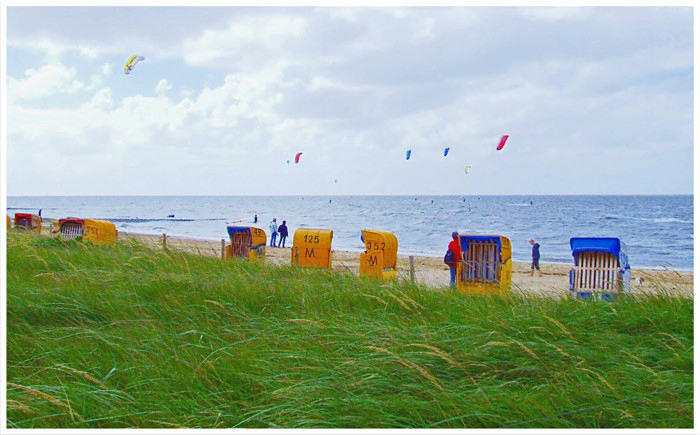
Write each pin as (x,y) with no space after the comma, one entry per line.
(434,273)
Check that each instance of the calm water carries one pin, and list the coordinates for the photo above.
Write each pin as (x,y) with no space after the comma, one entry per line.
(658,230)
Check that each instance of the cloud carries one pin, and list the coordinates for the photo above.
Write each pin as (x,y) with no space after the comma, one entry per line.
(353,88)
(163,87)
(53,50)
(556,13)
(245,38)
(45,81)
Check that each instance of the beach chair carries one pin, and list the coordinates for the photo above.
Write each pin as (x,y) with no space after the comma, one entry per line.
(379,259)
(486,266)
(28,221)
(8,221)
(312,248)
(246,242)
(92,230)
(601,268)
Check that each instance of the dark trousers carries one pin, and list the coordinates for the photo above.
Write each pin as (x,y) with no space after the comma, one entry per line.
(282,240)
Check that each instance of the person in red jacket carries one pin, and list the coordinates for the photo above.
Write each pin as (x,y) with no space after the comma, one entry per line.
(456,257)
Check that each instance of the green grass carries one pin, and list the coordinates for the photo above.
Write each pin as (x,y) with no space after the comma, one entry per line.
(123,336)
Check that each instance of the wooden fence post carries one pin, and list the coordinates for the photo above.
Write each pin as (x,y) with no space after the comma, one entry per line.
(165,245)
(223,248)
(412,268)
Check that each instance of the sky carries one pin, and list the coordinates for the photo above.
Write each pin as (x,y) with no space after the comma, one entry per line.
(595,100)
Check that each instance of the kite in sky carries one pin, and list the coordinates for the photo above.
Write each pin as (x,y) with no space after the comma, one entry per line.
(502,143)
(408,154)
(467,169)
(131,62)
(447,150)
(296,159)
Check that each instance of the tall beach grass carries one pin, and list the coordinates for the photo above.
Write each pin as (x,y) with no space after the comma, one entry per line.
(126,336)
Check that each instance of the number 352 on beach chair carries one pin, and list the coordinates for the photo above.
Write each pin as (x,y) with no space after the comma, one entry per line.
(601,268)
(379,260)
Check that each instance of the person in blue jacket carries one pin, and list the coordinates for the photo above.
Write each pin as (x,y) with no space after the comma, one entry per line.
(535,258)
(283,233)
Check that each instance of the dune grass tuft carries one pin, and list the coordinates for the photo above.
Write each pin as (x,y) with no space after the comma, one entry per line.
(124,336)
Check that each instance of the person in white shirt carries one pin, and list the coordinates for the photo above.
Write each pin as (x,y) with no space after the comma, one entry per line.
(273,232)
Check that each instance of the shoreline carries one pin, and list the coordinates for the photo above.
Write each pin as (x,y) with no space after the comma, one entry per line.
(432,272)
(419,254)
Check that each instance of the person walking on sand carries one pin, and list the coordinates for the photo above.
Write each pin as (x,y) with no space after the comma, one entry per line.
(283,233)
(453,256)
(273,232)
(535,258)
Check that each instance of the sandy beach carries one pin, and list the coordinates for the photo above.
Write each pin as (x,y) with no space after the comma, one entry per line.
(434,273)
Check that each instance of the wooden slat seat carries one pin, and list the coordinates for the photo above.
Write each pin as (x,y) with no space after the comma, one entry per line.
(596,271)
(71,230)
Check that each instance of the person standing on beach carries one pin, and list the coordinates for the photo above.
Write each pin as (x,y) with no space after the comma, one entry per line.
(535,258)
(452,257)
(273,232)
(283,234)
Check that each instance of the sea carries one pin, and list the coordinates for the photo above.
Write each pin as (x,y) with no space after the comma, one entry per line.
(657,229)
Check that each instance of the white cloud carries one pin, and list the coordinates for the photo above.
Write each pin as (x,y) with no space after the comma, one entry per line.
(48,80)
(101,100)
(163,87)
(353,88)
(247,36)
(53,50)
(550,14)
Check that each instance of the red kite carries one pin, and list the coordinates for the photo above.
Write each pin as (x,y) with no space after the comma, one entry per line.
(502,143)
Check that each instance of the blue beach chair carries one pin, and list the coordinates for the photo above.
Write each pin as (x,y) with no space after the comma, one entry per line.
(601,268)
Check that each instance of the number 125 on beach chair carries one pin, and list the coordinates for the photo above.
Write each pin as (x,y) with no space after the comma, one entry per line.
(601,268)
(312,248)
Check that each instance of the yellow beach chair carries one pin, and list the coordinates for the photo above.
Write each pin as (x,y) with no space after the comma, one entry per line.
(379,259)
(486,266)
(246,242)
(96,231)
(312,248)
